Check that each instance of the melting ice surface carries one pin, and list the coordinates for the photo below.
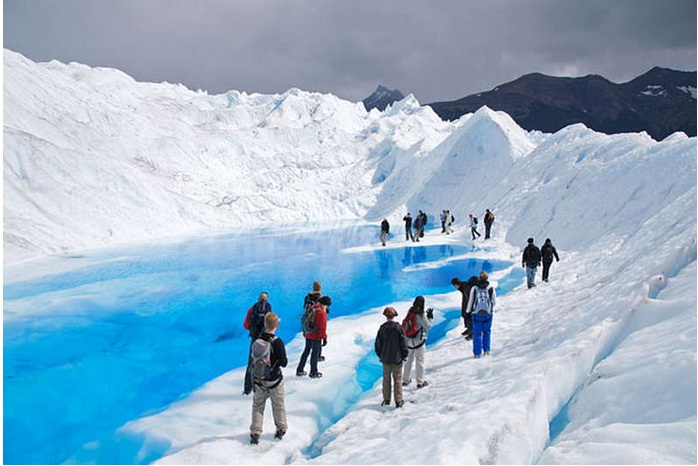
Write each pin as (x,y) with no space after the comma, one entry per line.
(127,331)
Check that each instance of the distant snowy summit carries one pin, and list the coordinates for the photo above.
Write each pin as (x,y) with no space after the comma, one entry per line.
(382,97)
(660,102)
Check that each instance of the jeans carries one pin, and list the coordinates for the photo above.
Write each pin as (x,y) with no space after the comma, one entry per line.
(312,347)
(531,275)
(482,326)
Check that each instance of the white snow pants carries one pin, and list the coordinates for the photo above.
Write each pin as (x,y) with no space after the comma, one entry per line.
(415,355)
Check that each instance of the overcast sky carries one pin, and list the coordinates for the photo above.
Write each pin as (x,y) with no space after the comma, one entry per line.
(436,49)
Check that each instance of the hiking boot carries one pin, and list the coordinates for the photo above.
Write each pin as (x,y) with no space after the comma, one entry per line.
(465,332)
(406,382)
(385,403)
(399,404)
(280,434)
(316,375)
(321,358)
(477,356)
(468,337)
(301,373)
(486,353)
(254,439)
(422,384)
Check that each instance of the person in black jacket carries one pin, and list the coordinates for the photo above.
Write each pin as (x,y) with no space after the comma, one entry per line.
(391,349)
(531,260)
(408,227)
(385,229)
(464,288)
(547,253)
(271,386)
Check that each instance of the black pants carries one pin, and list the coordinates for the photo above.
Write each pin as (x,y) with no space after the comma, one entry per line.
(313,348)
(546,269)
(488,227)
(468,322)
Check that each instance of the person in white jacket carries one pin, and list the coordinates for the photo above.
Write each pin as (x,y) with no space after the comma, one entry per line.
(416,325)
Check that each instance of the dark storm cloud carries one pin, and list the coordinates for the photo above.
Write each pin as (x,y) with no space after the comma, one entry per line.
(437,50)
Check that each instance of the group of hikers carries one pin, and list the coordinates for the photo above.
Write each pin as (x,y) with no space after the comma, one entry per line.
(414,228)
(400,346)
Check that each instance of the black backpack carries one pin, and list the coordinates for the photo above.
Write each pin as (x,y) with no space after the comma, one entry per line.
(259,310)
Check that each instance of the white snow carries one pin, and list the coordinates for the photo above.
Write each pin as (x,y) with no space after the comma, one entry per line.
(606,350)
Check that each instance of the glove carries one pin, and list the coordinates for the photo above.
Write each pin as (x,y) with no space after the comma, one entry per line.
(430,313)
(324,342)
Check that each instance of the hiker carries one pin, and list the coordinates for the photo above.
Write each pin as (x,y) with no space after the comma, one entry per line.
(449,222)
(391,349)
(531,260)
(315,333)
(424,223)
(464,288)
(443,217)
(547,252)
(489,220)
(418,226)
(408,227)
(311,298)
(385,229)
(415,326)
(269,356)
(473,226)
(481,305)
(254,323)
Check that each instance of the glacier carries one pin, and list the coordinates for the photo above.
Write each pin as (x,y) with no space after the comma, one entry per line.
(598,366)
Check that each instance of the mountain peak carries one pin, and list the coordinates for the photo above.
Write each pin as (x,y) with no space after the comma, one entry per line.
(382,97)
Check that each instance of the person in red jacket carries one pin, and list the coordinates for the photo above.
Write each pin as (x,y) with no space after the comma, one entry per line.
(314,334)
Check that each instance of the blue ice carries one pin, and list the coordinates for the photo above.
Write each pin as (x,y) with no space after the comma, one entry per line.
(141,327)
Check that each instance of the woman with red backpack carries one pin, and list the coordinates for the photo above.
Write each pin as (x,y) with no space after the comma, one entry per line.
(415,325)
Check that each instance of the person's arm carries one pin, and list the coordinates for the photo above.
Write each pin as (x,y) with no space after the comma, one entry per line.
(280,351)
(471,298)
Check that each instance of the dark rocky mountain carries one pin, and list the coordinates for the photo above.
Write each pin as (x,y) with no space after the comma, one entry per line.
(381,98)
(661,102)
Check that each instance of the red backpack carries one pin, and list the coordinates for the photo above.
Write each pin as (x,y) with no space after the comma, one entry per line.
(409,325)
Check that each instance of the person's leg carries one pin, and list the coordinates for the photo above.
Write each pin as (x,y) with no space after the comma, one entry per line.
(314,355)
(477,336)
(486,334)
(259,400)
(397,381)
(278,406)
(386,382)
(469,324)
(419,358)
(407,369)
(304,357)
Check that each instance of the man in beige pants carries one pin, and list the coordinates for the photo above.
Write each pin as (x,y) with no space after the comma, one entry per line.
(268,357)
(392,351)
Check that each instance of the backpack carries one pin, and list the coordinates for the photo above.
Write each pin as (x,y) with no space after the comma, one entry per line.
(474,220)
(483,302)
(259,310)
(310,299)
(260,359)
(409,325)
(308,320)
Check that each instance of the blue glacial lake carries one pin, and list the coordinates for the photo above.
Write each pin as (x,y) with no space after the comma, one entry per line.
(121,333)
